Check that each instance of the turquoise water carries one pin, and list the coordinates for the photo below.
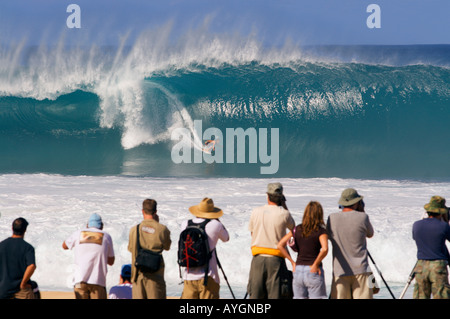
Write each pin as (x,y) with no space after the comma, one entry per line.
(362,112)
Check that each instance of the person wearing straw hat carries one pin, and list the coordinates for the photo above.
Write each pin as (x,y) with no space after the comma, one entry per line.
(268,225)
(430,235)
(347,231)
(208,214)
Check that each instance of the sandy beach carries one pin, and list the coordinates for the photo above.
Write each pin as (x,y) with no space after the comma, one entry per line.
(69,295)
(57,295)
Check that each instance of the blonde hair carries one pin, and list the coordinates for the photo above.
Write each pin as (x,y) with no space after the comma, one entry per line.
(312,218)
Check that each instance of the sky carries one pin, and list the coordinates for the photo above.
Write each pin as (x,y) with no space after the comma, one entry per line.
(303,22)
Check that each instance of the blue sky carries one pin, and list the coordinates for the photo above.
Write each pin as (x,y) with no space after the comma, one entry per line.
(304,22)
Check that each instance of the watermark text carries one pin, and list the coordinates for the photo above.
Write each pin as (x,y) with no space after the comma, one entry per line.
(241,146)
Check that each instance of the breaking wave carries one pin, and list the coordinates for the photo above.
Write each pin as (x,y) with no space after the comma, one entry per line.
(370,112)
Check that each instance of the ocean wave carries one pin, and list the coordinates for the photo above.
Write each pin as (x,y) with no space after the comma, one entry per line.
(117,107)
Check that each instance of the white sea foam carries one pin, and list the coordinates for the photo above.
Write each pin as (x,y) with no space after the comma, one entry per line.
(57,205)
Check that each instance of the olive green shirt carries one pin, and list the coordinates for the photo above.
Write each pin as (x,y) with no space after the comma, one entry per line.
(153,236)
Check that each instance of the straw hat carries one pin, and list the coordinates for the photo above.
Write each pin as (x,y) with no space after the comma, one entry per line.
(436,205)
(206,209)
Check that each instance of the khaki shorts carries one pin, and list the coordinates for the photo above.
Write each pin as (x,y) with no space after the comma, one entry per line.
(84,290)
(352,287)
(194,289)
(150,286)
(26,293)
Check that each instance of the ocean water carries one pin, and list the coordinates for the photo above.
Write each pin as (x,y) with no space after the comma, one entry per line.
(350,112)
(89,129)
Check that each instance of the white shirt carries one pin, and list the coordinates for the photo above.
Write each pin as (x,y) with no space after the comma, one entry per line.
(215,231)
(92,248)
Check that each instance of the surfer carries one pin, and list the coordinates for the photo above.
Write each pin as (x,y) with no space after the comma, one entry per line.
(210,145)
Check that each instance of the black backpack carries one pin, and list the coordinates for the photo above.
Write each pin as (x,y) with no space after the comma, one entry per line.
(193,247)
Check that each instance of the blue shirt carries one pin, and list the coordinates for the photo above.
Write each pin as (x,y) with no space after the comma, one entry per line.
(430,235)
(122,291)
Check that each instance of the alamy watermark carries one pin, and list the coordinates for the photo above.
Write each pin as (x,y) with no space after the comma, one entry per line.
(73,21)
(238,144)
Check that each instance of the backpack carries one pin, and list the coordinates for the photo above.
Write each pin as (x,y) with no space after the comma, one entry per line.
(193,247)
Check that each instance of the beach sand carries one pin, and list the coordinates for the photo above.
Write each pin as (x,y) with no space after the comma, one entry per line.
(69,295)
(57,295)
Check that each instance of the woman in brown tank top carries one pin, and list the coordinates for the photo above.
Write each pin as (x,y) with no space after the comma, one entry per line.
(311,241)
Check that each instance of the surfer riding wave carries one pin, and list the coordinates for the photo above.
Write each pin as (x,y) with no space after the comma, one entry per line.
(209,146)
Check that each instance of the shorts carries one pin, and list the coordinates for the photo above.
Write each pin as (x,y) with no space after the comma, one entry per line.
(431,279)
(25,293)
(353,287)
(195,289)
(84,290)
(149,285)
(265,278)
(307,285)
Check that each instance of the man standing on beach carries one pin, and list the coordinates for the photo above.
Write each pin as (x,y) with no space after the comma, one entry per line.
(17,264)
(268,226)
(155,237)
(347,231)
(430,235)
(93,252)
